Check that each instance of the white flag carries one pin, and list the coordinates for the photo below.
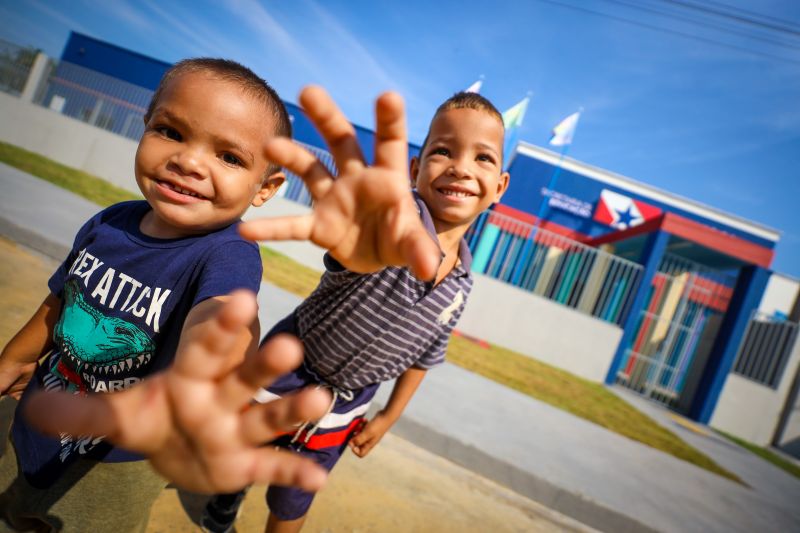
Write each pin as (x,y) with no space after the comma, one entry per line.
(563,133)
(475,87)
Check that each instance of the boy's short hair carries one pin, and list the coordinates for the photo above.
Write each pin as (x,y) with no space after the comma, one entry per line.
(228,70)
(465,100)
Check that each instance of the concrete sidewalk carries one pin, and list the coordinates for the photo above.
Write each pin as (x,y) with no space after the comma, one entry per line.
(575,467)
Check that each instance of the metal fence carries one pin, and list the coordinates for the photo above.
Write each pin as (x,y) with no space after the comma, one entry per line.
(15,66)
(294,189)
(553,266)
(97,99)
(765,349)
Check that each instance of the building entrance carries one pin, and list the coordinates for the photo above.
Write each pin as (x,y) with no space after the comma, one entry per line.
(676,331)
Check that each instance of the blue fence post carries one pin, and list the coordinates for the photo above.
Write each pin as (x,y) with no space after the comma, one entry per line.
(485,246)
(651,257)
(746,298)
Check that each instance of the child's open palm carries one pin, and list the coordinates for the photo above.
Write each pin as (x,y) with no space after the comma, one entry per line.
(366,216)
(194,421)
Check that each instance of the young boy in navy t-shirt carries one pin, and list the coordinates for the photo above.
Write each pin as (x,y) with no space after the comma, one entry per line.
(142,277)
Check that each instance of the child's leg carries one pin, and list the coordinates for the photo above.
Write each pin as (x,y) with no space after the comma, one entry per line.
(221,512)
(89,496)
(276,525)
(323,442)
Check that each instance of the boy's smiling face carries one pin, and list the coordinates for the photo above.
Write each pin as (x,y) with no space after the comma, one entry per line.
(200,162)
(459,173)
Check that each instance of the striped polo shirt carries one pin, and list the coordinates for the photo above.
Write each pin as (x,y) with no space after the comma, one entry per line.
(360,329)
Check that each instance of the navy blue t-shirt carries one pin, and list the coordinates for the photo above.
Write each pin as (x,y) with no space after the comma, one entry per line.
(124,299)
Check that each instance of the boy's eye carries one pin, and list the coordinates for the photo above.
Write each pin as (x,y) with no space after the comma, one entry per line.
(486,157)
(440,151)
(168,132)
(231,159)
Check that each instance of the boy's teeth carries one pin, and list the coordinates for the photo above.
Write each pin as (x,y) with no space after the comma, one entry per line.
(182,191)
(459,194)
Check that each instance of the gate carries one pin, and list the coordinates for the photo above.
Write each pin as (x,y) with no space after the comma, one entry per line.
(676,331)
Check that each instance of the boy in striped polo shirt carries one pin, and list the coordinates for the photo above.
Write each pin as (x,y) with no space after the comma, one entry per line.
(360,329)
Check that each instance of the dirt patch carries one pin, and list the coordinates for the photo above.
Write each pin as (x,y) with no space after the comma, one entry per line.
(398,487)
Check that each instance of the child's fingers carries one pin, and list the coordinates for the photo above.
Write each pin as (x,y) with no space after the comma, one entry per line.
(277,357)
(421,253)
(278,228)
(200,354)
(261,423)
(135,418)
(287,154)
(62,412)
(391,140)
(285,468)
(334,127)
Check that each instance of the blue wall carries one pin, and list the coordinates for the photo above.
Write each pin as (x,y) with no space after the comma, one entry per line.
(114,61)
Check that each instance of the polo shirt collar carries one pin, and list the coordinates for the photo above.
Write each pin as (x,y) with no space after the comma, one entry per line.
(464,255)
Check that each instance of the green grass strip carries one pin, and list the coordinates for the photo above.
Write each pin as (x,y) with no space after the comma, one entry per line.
(765,453)
(92,188)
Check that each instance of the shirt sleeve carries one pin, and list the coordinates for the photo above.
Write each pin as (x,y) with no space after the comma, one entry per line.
(435,355)
(56,281)
(230,266)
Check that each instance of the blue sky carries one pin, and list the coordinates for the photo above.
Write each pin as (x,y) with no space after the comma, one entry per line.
(691,108)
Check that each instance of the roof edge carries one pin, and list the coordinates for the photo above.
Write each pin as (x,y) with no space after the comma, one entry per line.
(666,197)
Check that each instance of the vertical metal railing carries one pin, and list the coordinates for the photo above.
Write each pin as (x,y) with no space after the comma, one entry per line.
(554,266)
(294,189)
(15,66)
(97,99)
(765,349)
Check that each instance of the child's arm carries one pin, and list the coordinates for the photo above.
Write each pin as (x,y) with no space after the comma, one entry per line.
(194,421)
(18,360)
(366,216)
(404,388)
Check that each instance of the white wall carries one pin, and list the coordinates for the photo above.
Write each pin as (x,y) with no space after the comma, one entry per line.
(68,141)
(538,327)
(750,410)
(780,294)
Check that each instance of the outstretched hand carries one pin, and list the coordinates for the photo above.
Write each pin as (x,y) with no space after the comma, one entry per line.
(194,421)
(366,216)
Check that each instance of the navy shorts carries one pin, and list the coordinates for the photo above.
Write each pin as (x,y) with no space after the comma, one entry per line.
(323,441)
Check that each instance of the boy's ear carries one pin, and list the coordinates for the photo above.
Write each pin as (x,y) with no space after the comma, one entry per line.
(413,170)
(502,185)
(268,188)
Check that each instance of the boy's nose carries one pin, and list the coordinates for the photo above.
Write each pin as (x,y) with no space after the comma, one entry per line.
(189,162)
(460,169)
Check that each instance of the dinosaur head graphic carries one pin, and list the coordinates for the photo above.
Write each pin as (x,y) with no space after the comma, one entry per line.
(88,340)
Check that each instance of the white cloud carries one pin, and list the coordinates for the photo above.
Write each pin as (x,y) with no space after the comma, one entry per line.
(126,12)
(193,31)
(70,22)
